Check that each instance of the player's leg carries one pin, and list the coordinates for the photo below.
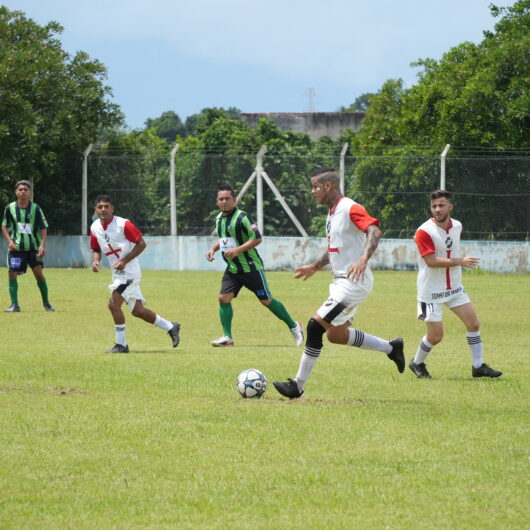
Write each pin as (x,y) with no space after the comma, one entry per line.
(431,314)
(466,313)
(115,302)
(37,268)
(230,287)
(257,283)
(17,264)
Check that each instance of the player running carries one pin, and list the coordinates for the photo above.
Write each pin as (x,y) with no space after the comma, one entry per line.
(352,236)
(238,239)
(122,243)
(440,283)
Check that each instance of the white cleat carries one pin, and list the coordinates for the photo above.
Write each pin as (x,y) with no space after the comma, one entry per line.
(223,341)
(298,334)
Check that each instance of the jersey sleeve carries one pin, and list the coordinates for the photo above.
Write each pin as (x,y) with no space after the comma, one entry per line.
(251,228)
(40,219)
(131,232)
(361,218)
(424,243)
(94,244)
(5,219)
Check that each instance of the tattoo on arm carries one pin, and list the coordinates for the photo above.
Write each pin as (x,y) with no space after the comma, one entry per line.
(372,240)
(322,261)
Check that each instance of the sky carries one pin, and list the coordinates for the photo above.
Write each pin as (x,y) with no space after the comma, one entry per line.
(268,56)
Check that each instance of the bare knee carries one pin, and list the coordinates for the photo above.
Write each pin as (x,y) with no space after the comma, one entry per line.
(435,338)
(474,325)
(226,298)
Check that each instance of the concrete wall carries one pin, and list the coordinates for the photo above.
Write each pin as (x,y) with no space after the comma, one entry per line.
(315,124)
(279,253)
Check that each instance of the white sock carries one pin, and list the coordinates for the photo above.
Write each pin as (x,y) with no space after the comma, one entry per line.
(424,348)
(475,345)
(359,339)
(308,360)
(120,334)
(166,325)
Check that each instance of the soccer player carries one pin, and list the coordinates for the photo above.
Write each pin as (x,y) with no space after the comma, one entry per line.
(440,283)
(122,243)
(238,239)
(353,236)
(25,230)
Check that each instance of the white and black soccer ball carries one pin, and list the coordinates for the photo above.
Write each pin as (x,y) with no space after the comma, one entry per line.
(252,383)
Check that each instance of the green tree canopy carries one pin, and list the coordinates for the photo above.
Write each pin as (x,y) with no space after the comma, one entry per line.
(168,126)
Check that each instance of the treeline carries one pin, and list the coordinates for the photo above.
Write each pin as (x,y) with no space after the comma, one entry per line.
(477,96)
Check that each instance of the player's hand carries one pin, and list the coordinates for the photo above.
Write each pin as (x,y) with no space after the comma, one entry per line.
(232,253)
(210,255)
(119,265)
(41,252)
(470,262)
(12,246)
(95,266)
(356,270)
(305,272)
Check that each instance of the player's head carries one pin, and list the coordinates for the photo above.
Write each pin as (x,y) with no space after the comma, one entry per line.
(441,205)
(23,183)
(325,185)
(226,199)
(104,207)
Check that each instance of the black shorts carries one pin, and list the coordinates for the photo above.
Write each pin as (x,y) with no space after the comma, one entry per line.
(18,260)
(254,281)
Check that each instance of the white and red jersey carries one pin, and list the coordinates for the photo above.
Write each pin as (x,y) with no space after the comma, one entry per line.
(346,227)
(115,240)
(437,284)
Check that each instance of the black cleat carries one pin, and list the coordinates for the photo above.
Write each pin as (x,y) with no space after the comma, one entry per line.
(119,348)
(485,371)
(174,334)
(288,389)
(13,308)
(420,370)
(397,354)
(48,306)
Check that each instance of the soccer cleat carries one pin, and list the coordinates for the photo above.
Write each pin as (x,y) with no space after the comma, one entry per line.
(48,306)
(288,389)
(485,371)
(397,354)
(174,334)
(420,370)
(298,334)
(223,341)
(119,348)
(13,308)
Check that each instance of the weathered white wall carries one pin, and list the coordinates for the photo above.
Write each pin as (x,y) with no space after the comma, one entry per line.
(279,253)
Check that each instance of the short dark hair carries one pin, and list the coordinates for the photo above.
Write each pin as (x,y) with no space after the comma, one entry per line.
(322,170)
(104,198)
(22,183)
(225,188)
(438,194)
(327,174)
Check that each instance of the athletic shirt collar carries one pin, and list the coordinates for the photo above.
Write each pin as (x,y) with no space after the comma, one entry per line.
(334,207)
(449,226)
(105,226)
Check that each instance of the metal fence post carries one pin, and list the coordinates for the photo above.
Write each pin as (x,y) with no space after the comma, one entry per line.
(443,156)
(341,167)
(259,186)
(172,191)
(84,191)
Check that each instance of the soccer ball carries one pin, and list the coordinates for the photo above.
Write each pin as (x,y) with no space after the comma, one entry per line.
(251,383)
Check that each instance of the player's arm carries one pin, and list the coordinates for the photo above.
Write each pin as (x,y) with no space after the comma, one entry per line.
(210,255)
(306,271)
(231,253)
(434,262)
(42,247)
(373,235)
(134,253)
(10,243)
(96,252)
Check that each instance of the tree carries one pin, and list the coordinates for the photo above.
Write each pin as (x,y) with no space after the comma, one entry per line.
(168,126)
(360,104)
(51,107)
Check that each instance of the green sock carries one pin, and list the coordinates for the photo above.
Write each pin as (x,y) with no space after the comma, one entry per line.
(279,310)
(43,287)
(13,290)
(225,314)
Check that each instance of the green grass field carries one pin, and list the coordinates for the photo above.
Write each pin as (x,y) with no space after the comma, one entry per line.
(160,438)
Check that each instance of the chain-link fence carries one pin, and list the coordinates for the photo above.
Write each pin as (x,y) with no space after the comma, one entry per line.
(491,192)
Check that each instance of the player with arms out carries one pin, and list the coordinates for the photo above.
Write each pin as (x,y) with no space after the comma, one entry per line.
(353,236)
(440,283)
(238,239)
(25,229)
(122,243)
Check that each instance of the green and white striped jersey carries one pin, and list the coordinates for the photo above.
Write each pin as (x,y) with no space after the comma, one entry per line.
(24,225)
(233,230)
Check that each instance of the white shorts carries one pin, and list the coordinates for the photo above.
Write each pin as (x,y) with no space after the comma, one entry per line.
(129,290)
(429,312)
(344,299)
